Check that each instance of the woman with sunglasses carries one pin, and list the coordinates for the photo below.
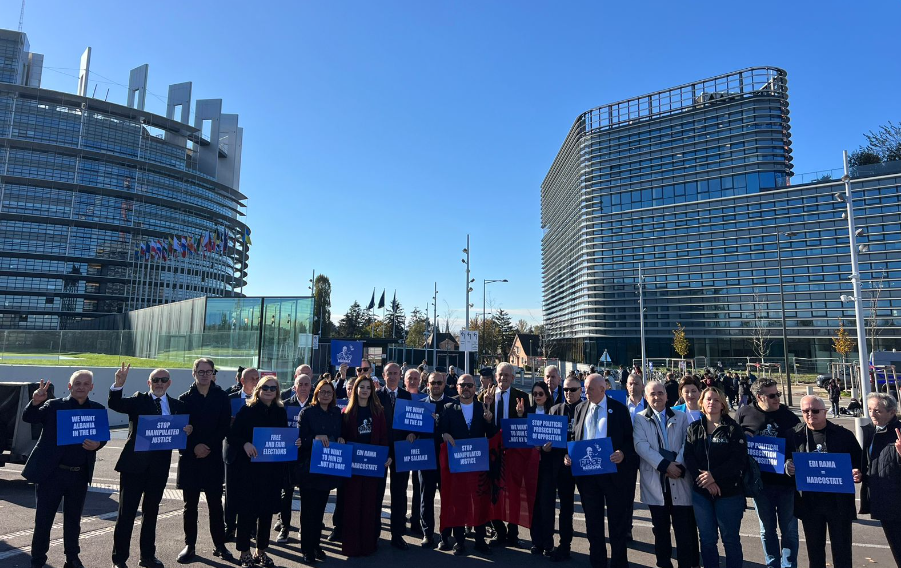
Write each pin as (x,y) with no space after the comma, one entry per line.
(256,506)
(542,529)
(321,420)
(363,423)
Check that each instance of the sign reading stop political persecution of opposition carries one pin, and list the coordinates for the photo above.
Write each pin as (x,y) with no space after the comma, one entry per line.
(76,426)
(418,455)
(824,473)
(591,457)
(369,460)
(544,428)
(414,416)
(470,454)
(157,432)
(275,444)
(516,433)
(348,353)
(336,459)
(769,452)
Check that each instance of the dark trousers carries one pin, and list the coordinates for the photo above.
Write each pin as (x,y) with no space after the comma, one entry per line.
(70,488)
(632,473)
(460,534)
(566,490)
(599,492)
(132,488)
(815,527)
(416,505)
(312,511)
(338,515)
(287,501)
(399,482)
(429,483)
(892,530)
(545,509)
(232,487)
(247,521)
(190,515)
(683,525)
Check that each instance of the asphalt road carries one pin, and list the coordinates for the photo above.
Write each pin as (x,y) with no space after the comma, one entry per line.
(17,522)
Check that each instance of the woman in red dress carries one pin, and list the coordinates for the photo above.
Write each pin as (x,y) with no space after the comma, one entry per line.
(363,423)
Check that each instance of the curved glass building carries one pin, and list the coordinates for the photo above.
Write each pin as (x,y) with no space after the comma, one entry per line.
(106,207)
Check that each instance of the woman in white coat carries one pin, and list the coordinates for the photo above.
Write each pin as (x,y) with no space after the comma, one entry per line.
(659,434)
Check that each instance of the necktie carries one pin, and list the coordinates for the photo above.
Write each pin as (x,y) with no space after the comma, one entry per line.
(393,396)
(592,422)
(499,415)
(662,424)
(159,406)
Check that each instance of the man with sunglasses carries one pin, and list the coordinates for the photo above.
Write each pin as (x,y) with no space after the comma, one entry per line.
(142,475)
(249,379)
(817,510)
(775,504)
(563,477)
(430,480)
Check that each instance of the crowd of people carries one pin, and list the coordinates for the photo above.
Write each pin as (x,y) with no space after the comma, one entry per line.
(677,440)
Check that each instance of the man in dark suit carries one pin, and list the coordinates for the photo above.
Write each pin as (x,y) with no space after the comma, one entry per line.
(602,417)
(430,480)
(301,370)
(563,477)
(61,473)
(248,381)
(554,384)
(301,396)
(462,419)
(508,402)
(388,396)
(141,474)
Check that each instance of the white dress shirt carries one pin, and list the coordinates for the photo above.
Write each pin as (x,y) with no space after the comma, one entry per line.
(601,431)
(500,398)
(164,402)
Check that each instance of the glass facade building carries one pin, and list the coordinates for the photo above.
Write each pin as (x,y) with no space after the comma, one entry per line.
(693,184)
(105,207)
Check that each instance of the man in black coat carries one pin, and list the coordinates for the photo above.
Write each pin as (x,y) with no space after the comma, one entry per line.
(602,417)
(142,475)
(462,419)
(294,405)
(564,481)
(554,384)
(818,510)
(430,480)
(388,396)
(248,381)
(880,491)
(61,473)
(200,464)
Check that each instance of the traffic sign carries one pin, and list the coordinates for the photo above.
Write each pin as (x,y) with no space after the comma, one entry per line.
(605,358)
(469,341)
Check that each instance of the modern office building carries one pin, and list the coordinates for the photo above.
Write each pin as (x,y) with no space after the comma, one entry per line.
(693,184)
(105,207)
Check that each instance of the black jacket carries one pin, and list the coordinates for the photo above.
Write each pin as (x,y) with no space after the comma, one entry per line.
(260,482)
(141,404)
(454,423)
(881,473)
(46,455)
(776,424)
(316,422)
(210,420)
(385,399)
(619,430)
(439,410)
(672,393)
(810,504)
(568,410)
(724,453)
(512,400)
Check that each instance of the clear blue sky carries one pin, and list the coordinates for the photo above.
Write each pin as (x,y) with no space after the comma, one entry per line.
(377,134)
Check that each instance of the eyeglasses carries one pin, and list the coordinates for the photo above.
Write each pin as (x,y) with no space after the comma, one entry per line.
(204,373)
(158,380)
(773,395)
(466,385)
(571,389)
(269,388)
(363,369)
(436,383)
(538,393)
(812,410)
(326,392)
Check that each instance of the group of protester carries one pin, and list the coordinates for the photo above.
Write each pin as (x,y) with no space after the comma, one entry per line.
(691,458)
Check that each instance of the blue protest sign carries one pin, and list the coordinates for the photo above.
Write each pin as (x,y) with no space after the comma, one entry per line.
(414,416)
(516,433)
(237,403)
(336,459)
(769,453)
(416,456)
(824,473)
(591,457)
(342,403)
(275,444)
(470,454)
(544,428)
(618,395)
(76,426)
(293,415)
(161,433)
(347,352)
(369,460)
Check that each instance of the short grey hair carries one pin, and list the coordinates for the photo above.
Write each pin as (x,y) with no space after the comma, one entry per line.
(497,371)
(79,373)
(636,377)
(549,367)
(647,386)
(891,405)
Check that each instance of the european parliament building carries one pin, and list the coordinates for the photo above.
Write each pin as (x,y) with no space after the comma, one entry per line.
(693,184)
(105,207)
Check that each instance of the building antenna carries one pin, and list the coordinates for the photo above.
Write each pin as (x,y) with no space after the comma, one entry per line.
(22,16)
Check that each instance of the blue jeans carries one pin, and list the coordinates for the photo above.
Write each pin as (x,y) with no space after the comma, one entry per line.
(723,513)
(776,503)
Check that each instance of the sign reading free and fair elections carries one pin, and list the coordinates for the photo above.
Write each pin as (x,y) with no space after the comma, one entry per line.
(336,459)
(769,452)
(825,473)
(76,426)
(157,432)
(591,457)
(544,428)
(414,416)
(418,455)
(275,444)
(470,454)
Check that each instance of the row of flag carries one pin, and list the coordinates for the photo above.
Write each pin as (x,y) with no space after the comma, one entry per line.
(209,242)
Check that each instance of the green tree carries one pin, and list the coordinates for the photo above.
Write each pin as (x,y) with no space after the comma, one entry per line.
(351,325)
(416,333)
(394,320)
(506,332)
(322,305)
(886,142)
(863,156)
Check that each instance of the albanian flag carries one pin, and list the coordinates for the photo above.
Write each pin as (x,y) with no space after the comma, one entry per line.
(505,492)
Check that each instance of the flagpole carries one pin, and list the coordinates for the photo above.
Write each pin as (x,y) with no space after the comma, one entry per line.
(393,317)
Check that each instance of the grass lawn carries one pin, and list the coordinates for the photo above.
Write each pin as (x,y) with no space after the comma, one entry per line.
(87,360)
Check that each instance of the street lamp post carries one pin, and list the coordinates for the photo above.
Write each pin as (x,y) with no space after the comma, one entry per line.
(485,284)
(435,328)
(644,356)
(469,281)
(788,380)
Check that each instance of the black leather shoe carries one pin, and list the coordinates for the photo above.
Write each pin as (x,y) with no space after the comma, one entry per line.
(120,565)
(482,546)
(223,553)
(498,542)
(536,551)
(513,543)
(459,550)
(428,541)
(320,554)
(444,546)
(399,543)
(150,562)
(73,563)
(186,555)
(560,554)
(309,558)
(334,536)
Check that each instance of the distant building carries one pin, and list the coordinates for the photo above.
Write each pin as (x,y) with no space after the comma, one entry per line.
(525,349)
(446,342)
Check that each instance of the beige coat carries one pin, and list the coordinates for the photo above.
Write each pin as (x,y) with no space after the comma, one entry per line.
(653,465)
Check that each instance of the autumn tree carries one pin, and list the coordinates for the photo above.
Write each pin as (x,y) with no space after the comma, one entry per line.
(680,343)
(842,342)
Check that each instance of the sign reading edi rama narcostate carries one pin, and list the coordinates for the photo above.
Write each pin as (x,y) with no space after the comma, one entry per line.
(544,428)
(369,460)
(826,473)
(336,459)
(516,432)
(348,353)
(414,416)
(769,453)
(591,457)
(157,432)
(418,455)
(275,444)
(470,454)
(76,426)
